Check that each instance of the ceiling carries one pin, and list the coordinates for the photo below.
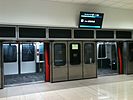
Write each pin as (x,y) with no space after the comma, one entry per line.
(126,4)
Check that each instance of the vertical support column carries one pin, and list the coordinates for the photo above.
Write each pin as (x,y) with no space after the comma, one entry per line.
(1,68)
(47,65)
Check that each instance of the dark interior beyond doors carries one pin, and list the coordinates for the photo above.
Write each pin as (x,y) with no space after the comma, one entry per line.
(107,58)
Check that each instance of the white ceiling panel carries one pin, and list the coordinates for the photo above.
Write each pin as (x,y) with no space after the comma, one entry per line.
(128,1)
(94,1)
(107,3)
(62,0)
(126,4)
(80,1)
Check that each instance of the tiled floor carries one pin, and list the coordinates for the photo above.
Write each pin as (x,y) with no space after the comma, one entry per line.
(23,78)
(119,87)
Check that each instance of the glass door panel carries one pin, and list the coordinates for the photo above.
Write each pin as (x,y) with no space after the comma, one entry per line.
(59,54)
(27,58)
(10,58)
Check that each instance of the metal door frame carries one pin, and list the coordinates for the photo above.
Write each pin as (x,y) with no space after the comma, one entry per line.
(127,63)
(95,57)
(125,55)
(80,66)
(1,67)
(52,67)
(117,56)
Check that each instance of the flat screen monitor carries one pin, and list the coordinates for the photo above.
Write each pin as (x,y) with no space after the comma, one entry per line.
(91,20)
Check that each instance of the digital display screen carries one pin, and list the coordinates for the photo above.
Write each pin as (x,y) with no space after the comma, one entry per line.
(74,46)
(91,20)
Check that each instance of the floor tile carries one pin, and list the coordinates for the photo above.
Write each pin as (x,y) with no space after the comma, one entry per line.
(119,87)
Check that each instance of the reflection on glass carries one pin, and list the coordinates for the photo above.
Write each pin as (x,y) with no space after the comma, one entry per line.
(41,48)
(75,56)
(59,54)
(114,55)
(10,53)
(130,52)
(41,52)
(89,53)
(101,51)
(28,51)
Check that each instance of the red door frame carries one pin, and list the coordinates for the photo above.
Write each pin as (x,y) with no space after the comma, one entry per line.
(120,58)
(47,65)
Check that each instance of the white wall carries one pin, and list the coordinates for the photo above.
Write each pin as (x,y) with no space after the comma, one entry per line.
(42,12)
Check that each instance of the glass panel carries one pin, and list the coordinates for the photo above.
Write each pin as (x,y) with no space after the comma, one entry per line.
(114,57)
(7,32)
(75,54)
(59,54)
(10,53)
(32,32)
(41,57)
(130,56)
(89,56)
(28,51)
(41,52)
(101,51)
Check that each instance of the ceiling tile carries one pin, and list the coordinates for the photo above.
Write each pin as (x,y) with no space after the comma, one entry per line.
(114,0)
(95,1)
(107,2)
(80,1)
(62,0)
(117,4)
(127,1)
(127,4)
